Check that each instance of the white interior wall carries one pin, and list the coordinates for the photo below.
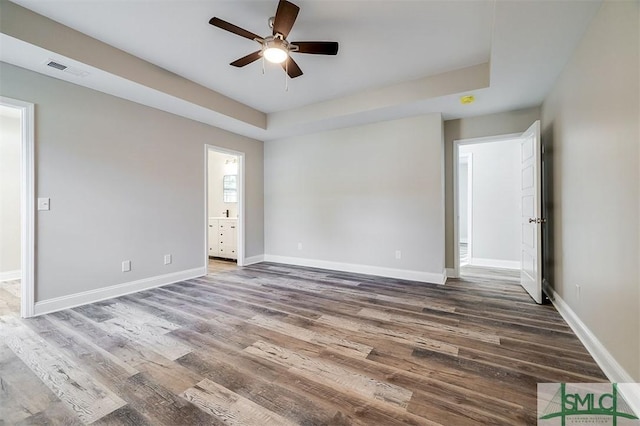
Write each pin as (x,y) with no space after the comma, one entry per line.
(591,130)
(354,196)
(496,203)
(217,171)
(126,182)
(10,147)
(463,194)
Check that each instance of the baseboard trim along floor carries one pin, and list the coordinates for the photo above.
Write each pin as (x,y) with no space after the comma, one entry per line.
(402,274)
(91,296)
(611,368)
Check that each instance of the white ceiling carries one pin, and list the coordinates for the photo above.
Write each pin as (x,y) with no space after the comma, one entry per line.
(382,43)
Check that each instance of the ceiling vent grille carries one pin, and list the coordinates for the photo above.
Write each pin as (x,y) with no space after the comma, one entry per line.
(69,70)
(57,66)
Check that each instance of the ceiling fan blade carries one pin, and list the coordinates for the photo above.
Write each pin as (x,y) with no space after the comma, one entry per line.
(291,68)
(285,17)
(246,60)
(317,47)
(217,22)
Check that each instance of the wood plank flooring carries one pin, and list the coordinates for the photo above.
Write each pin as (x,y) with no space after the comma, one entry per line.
(10,297)
(277,345)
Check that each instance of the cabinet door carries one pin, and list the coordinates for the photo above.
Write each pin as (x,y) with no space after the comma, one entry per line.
(233,230)
(228,252)
(213,237)
(227,238)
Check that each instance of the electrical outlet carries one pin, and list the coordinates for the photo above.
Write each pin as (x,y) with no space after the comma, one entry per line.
(577,291)
(299,246)
(126,266)
(398,255)
(167,259)
(44,203)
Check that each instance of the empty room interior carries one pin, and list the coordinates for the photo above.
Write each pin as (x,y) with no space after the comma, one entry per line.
(426,212)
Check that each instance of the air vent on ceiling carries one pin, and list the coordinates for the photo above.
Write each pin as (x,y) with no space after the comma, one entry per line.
(70,70)
(57,66)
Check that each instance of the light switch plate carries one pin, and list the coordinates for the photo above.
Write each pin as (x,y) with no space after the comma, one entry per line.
(167,259)
(126,266)
(44,204)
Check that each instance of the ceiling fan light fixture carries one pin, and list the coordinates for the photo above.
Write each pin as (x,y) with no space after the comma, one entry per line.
(275,49)
(276,55)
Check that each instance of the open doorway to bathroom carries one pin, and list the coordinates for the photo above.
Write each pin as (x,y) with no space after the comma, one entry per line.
(224,209)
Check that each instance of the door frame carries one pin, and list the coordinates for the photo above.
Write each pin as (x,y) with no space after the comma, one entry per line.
(27,204)
(456,215)
(241,215)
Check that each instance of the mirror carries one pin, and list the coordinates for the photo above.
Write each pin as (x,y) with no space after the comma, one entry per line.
(230,188)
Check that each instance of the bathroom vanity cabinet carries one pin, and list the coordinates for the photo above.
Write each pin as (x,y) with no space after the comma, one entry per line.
(223,237)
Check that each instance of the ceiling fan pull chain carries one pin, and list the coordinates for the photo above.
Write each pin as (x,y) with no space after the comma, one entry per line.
(262,64)
(286,76)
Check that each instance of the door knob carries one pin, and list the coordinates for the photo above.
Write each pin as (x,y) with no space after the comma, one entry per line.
(537,220)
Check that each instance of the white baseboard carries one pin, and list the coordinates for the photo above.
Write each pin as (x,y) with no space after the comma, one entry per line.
(451,273)
(403,274)
(610,367)
(631,394)
(253,259)
(495,263)
(10,275)
(91,296)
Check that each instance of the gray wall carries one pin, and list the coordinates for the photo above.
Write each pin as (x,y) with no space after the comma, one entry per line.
(126,182)
(356,195)
(476,127)
(590,121)
(496,201)
(10,145)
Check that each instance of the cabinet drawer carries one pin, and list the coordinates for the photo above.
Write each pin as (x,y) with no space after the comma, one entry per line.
(227,224)
(228,252)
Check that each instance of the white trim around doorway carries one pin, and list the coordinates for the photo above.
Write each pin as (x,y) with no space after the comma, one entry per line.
(27,204)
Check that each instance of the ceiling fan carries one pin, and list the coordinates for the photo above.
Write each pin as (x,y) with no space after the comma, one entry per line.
(275,48)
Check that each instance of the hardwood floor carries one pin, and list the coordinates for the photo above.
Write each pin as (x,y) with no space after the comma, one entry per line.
(10,297)
(221,265)
(489,275)
(277,345)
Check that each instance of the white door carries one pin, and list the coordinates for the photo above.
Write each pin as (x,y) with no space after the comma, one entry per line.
(531,256)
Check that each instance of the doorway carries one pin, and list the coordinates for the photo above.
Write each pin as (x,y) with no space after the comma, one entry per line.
(16,207)
(224,201)
(465,203)
(487,207)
